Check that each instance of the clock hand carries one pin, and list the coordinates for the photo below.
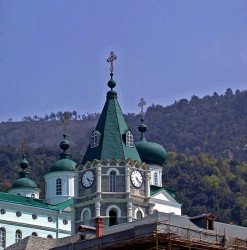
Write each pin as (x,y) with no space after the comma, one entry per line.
(138,180)
(89,180)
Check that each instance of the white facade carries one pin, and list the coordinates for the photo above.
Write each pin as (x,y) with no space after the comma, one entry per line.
(27,192)
(67,187)
(163,202)
(30,220)
(156,175)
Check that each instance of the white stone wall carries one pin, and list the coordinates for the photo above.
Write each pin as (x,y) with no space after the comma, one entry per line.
(27,192)
(163,203)
(28,225)
(67,187)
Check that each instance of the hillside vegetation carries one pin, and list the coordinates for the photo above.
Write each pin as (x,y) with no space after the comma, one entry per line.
(213,124)
(203,183)
(206,140)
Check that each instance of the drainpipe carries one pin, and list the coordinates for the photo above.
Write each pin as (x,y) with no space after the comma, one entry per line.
(57,231)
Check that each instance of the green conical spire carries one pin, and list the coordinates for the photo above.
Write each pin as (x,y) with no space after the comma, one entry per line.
(111,128)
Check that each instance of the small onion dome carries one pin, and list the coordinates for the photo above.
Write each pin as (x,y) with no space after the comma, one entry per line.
(64,144)
(24,162)
(150,152)
(111,83)
(111,94)
(142,128)
(64,164)
(24,182)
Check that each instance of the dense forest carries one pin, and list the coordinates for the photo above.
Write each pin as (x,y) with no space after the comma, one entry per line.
(206,140)
(203,183)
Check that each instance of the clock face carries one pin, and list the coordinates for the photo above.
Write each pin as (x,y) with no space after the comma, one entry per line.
(87,179)
(136,178)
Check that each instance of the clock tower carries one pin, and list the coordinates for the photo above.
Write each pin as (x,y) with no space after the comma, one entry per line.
(111,182)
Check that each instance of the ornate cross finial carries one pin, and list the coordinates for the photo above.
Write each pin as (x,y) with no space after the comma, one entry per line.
(141,104)
(110,60)
(24,145)
(64,120)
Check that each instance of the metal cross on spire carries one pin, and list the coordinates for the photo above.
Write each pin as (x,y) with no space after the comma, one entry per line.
(141,104)
(23,145)
(110,60)
(64,120)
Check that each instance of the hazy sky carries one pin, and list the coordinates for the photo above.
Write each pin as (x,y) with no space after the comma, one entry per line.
(53,53)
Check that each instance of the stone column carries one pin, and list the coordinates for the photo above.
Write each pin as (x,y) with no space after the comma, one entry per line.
(76,175)
(128,195)
(129,211)
(147,183)
(98,177)
(97,209)
(127,180)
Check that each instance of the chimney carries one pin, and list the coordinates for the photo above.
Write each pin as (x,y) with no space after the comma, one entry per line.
(99,225)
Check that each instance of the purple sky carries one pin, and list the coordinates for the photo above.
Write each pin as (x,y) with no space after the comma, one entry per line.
(53,53)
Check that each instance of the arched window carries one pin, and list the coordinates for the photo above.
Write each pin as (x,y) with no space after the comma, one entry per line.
(34,234)
(58,186)
(94,140)
(129,139)
(32,196)
(18,235)
(112,218)
(112,181)
(85,217)
(49,236)
(155,178)
(3,237)
(139,215)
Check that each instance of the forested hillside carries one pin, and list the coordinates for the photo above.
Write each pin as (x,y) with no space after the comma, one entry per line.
(206,140)
(212,124)
(203,183)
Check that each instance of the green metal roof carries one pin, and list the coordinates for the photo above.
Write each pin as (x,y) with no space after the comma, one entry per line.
(17,199)
(150,152)
(112,127)
(24,183)
(64,164)
(171,192)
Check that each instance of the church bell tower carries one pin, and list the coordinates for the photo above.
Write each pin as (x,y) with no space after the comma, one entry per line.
(111,182)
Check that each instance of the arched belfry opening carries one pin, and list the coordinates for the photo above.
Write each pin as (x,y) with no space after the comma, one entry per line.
(113,217)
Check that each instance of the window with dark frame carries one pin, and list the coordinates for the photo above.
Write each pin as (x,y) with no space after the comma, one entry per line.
(94,140)
(113,181)
(58,186)
(129,139)
(3,237)
(18,235)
